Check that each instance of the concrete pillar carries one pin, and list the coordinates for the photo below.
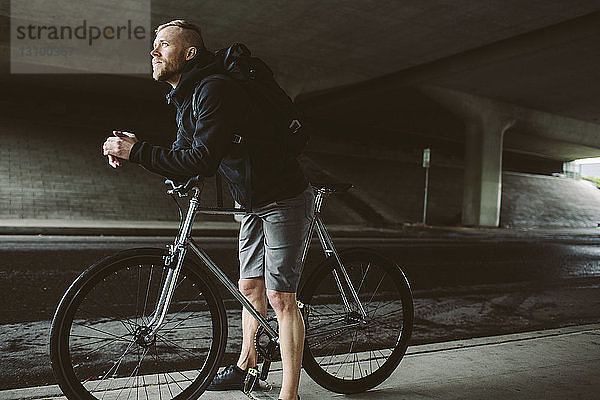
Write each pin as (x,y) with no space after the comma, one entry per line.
(486,121)
(483,170)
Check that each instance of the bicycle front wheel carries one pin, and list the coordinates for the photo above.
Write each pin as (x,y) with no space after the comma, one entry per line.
(99,346)
(351,346)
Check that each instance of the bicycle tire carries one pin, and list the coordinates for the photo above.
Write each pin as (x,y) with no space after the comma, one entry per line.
(342,352)
(93,346)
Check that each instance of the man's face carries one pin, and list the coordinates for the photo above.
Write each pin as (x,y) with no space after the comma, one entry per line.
(168,55)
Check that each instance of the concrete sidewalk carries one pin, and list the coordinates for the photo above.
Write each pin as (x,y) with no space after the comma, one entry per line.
(552,364)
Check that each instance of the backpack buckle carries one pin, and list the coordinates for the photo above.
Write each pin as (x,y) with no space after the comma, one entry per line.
(295,126)
(237,139)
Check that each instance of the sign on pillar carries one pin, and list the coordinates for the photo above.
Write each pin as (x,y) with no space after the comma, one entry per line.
(426,162)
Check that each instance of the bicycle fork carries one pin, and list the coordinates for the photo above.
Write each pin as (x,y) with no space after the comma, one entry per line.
(178,251)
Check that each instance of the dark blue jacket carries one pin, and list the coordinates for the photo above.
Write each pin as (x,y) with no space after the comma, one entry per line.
(257,171)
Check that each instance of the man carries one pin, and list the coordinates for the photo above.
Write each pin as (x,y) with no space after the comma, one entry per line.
(259,176)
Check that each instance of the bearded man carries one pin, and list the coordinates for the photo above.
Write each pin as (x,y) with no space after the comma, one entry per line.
(212,109)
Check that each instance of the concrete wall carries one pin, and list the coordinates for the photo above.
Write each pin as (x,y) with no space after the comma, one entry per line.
(57,172)
(590,169)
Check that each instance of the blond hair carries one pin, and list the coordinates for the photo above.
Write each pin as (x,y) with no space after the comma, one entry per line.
(192,35)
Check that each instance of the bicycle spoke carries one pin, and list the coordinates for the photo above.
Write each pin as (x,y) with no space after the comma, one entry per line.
(323,325)
(375,291)
(124,293)
(333,354)
(351,351)
(174,327)
(388,326)
(343,363)
(187,327)
(167,342)
(131,327)
(157,357)
(331,337)
(383,305)
(385,345)
(137,296)
(188,339)
(145,387)
(116,366)
(179,372)
(101,347)
(169,386)
(97,330)
(134,371)
(159,391)
(400,309)
(189,303)
(364,275)
(97,341)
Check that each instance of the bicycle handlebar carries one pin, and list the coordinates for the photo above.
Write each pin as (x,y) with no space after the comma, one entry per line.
(183,189)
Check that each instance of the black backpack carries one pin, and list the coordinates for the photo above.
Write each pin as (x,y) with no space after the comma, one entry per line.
(277,109)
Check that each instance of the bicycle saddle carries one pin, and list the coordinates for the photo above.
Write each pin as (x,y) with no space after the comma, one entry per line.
(333,187)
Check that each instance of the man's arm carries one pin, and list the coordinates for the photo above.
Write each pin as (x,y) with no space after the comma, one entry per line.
(219,108)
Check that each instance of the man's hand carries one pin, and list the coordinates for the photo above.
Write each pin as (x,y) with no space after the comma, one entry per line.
(118,147)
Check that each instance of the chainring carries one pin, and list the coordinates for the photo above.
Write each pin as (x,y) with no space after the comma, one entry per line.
(264,343)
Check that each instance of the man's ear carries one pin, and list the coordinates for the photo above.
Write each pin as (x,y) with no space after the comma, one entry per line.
(191,53)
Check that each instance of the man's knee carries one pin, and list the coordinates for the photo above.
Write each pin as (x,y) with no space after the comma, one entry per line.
(282,301)
(251,286)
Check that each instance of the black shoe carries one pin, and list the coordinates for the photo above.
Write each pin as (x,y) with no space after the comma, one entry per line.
(231,378)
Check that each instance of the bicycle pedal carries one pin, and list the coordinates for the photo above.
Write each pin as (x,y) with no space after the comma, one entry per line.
(251,379)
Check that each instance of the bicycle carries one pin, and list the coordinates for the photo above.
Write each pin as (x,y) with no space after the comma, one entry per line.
(151,322)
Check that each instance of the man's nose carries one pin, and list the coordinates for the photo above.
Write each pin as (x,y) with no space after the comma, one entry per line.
(154,53)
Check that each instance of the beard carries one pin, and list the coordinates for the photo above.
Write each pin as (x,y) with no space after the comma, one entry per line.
(168,69)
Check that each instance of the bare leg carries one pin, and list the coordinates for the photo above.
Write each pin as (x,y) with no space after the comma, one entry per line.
(254,290)
(291,340)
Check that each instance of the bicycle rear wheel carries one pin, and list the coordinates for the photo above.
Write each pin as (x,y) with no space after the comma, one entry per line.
(345,351)
(97,347)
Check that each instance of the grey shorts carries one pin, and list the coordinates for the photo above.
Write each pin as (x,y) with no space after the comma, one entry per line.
(271,241)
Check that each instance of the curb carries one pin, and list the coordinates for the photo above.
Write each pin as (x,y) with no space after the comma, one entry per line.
(231,229)
(53,391)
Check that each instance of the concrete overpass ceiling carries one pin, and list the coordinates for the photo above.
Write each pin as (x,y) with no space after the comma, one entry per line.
(315,45)
(561,78)
(520,143)
(374,48)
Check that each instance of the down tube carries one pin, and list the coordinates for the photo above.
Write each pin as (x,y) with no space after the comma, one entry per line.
(224,279)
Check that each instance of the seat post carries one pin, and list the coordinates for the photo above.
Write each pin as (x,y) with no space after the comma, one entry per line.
(319,200)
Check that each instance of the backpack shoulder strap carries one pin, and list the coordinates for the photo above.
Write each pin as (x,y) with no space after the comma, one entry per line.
(236,138)
(199,87)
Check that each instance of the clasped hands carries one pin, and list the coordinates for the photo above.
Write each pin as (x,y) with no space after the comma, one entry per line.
(118,147)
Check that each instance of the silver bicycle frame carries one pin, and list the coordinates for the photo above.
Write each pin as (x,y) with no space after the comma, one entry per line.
(184,241)
(330,250)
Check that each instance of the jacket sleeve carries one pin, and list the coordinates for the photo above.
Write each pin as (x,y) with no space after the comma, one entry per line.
(219,107)
(180,143)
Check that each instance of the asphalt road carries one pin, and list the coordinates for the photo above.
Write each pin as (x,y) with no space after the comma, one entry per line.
(462,288)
